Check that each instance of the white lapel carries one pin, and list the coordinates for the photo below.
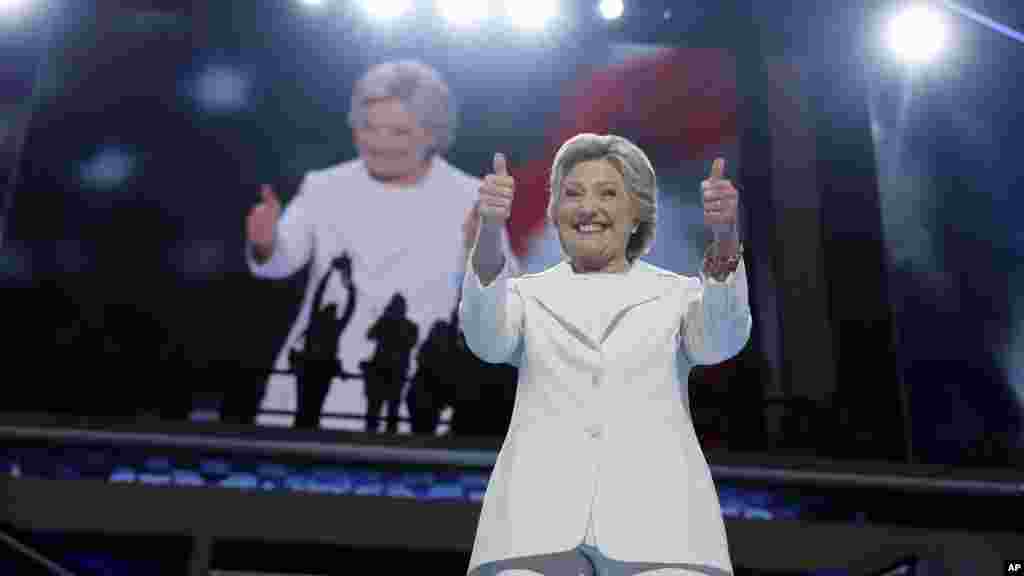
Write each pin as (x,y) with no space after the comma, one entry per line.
(556,293)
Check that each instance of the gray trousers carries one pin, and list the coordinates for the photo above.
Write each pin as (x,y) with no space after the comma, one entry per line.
(586,560)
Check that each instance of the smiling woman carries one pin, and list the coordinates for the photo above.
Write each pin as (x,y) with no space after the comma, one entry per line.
(627,341)
(603,202)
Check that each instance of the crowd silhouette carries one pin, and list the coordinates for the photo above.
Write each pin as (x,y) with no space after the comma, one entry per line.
(448,375)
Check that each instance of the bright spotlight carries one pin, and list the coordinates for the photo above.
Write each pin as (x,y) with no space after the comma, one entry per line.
(386,9)
(463,12)
(8,6)
(917,34)
(15,10)
(312,3)
(610,9)
(532,14)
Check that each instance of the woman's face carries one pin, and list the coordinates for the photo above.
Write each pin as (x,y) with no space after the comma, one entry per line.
(596,217)
(393,143)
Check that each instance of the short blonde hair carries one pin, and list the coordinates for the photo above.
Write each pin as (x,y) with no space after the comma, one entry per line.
(637,173)
(420,88)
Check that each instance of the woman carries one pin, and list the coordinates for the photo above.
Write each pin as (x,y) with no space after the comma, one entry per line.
(403,121)
(601,472)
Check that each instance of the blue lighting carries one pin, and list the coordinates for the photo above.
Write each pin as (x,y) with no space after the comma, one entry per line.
(107,169)
(986,21)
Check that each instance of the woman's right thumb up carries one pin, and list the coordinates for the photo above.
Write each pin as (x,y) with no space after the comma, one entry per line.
(269,198)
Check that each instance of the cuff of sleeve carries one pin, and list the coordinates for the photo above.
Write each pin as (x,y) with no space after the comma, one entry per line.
(276,261)
(472,281)
(730,279)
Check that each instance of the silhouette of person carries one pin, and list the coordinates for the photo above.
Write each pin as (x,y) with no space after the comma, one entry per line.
(429,391)
(385,373)
(317,364)
(483,394)
(176,396)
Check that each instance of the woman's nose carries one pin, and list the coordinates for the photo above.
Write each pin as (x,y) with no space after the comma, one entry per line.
(587,207)
(584,215)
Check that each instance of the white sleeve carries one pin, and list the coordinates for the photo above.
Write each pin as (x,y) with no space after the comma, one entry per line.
(492,316)
(293,244)
(717,320)
(514,265)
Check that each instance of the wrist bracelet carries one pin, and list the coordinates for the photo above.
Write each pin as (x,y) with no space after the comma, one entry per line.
(719,267)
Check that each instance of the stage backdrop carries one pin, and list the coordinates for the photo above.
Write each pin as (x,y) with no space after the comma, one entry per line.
(153,133)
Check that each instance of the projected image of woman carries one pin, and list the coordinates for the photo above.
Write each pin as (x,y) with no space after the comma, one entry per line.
(601,472)
(399,209)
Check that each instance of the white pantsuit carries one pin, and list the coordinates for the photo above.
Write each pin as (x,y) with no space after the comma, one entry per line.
(601,443)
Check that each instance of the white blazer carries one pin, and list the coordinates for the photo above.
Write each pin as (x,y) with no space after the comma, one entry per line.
(601,423)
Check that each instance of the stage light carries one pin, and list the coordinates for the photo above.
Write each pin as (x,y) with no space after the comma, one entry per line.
(107,169)
(12,6)
(610,9)
(463,12)
(312,3)
(532,14)
(386,9)
(917,34)
(16,12)
(222,89)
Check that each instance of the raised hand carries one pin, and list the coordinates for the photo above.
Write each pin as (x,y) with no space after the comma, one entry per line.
(262,220)
(496,194)
(494,207)
(343,264)
(720,199)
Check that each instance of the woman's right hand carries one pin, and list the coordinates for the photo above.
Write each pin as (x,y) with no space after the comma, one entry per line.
(496,194)
(494,207)
(261,222)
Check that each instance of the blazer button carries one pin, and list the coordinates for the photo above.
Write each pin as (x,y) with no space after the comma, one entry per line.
(594,431)
(597,381)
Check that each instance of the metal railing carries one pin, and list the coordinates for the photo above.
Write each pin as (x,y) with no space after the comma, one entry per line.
(475,458)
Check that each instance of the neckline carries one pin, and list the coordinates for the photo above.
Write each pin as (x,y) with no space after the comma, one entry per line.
(573,273)
(419,185)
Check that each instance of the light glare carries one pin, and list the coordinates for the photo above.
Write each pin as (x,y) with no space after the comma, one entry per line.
(10,6)
(917,34)
(386,9)
(611,9)
(463,12)
(533,14)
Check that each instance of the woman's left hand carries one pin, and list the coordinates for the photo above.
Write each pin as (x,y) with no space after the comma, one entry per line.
(720,199)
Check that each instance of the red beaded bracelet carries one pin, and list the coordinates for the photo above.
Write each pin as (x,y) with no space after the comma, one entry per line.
(719,267)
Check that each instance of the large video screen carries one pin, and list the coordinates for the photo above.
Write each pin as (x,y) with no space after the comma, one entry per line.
(158,137)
